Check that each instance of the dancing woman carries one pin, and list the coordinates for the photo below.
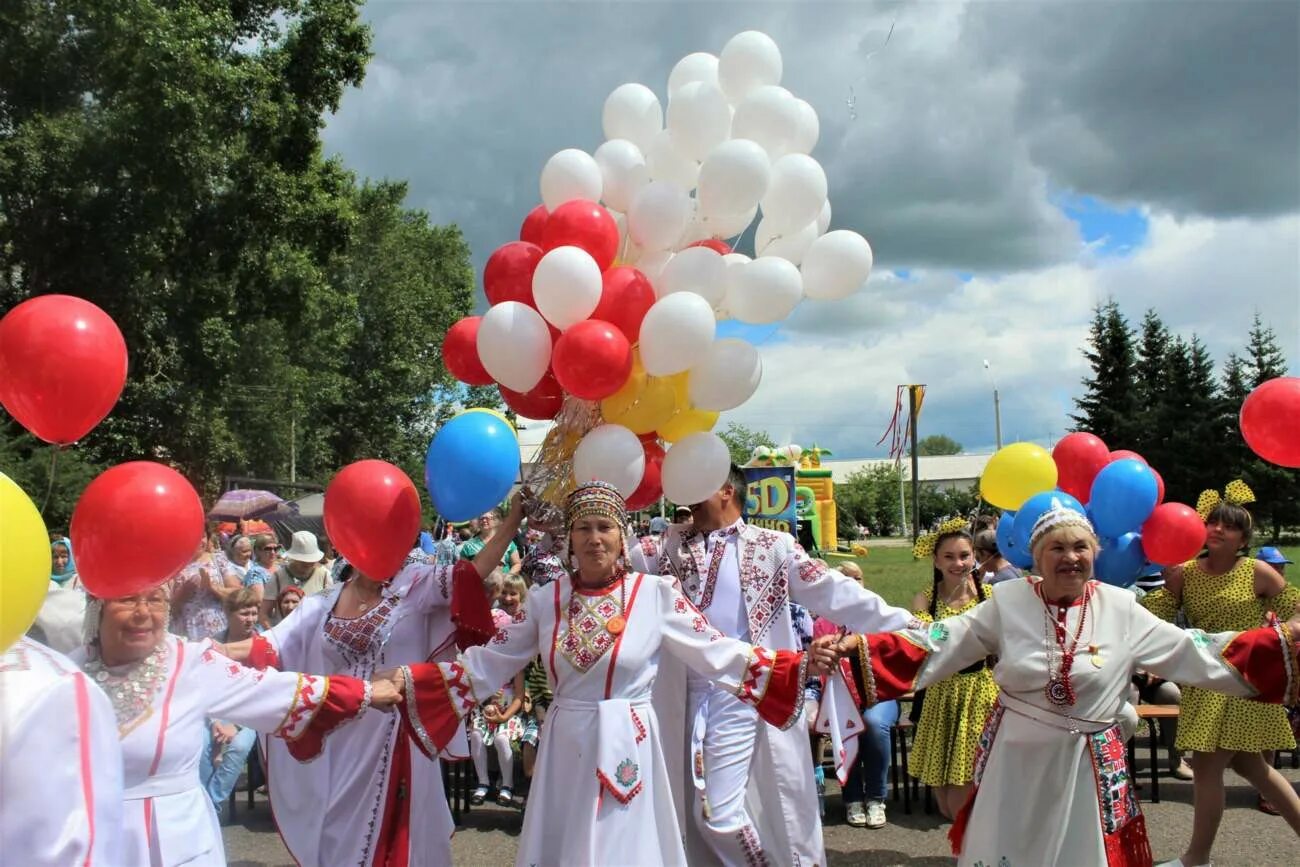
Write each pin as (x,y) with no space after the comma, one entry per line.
(1067,647)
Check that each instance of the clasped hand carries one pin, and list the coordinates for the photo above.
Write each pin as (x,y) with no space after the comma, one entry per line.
(387,688)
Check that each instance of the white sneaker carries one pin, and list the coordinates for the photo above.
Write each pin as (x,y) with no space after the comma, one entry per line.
(875,814)
(854,814)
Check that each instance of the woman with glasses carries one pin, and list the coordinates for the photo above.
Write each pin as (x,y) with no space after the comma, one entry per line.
(201,591)
(489,524)
(163,689)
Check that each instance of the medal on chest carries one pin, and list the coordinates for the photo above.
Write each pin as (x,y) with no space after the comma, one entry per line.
(1062,647)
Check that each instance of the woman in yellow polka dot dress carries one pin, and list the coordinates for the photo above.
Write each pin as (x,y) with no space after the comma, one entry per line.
(955,709)
(1226,590)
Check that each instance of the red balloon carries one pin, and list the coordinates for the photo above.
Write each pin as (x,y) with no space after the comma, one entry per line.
(1270,421)
(460,352)
(542,402)
(534,225)
(1160,486)
(372,515)
(592,360)
(1123,454)
(508,275)
(717,244)
(62,366)
(583,224)
(653,451)
(651,487)
(106,523)
(1173,534)
(1079,457)
(625,297)
(651,438)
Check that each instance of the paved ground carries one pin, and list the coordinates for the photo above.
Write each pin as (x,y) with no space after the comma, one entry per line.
(489,834)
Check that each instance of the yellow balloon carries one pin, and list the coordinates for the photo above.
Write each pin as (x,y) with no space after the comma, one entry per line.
(640,410)
(1015,473)
(494,412)
(687,422)
(24,561)
(681,389)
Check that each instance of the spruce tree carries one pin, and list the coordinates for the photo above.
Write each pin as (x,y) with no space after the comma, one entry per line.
(1277,489)
(1149,391)
(1107,407)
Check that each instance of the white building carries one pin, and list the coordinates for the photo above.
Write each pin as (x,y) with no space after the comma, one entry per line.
(947,472)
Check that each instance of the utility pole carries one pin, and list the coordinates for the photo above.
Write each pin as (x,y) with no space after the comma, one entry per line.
(293,449)
(997,405)
(913,394)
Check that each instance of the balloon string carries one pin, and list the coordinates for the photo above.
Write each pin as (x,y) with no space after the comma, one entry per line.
(49,491)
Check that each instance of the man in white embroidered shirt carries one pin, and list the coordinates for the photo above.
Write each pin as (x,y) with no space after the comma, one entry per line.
(743,578)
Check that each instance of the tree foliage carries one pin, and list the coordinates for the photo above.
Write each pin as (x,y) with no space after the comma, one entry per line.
(741,441)
(1163,400)
(163,160)
(937,444)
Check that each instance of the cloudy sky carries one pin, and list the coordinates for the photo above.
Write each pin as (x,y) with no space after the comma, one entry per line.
(1012,163)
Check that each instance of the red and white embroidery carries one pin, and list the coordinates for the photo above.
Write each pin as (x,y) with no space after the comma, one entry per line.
(758,675)
(640,726)
(679,605)
(460,689)
(586,639)
(307,700)
(809,571)
(754,855)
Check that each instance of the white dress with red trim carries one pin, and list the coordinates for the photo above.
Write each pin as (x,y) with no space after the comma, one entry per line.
(60,764)
(1064,673)
(601,793)
(353,805)
(168,818)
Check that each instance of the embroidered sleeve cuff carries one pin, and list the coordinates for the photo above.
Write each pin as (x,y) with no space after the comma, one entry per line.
(886,666)
(1265,659)
(470,611)
(437,696)
(262,654)
(322,706)
(773,684)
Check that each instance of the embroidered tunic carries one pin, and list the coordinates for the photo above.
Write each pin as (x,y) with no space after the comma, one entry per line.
(60,764)
(600,793)
(346,808)
(168,818)
(1078,806)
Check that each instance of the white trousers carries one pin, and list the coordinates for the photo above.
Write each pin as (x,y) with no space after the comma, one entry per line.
(722,747)
(505,757)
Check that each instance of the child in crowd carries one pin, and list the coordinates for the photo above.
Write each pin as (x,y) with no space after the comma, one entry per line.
(499,720)
(227,747)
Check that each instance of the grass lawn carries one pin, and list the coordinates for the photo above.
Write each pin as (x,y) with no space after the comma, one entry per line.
(893,573)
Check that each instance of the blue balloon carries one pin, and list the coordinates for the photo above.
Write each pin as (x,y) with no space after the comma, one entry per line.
(1121,560)
(471,465)
(1015,556)
(1033,509)
(1123,496)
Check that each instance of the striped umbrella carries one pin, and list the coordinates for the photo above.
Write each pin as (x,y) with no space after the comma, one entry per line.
(238,505)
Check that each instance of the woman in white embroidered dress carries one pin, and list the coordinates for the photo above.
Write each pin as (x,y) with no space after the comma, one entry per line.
(1067,647)
(355,804)
(600,789)
(163,689)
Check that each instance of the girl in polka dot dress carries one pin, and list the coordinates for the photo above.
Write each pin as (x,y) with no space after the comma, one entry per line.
(1227,590)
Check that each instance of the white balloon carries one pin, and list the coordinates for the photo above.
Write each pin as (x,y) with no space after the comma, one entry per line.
(700,66)
(570,174)
(610,453)
(666,163)
(836,265)
(727,377)
(733,178)
(676,333)
(748,60)
(763,291)
(790,245)
(809,130)
(514,345)
(796,194)
(632,112)
(623,172)
(695,468)
(771,117)
(731,225)
(695,229)
(699,119)
(652,265)
(824,218)
(566,286)
(695,269)
(658,215)
(735,263)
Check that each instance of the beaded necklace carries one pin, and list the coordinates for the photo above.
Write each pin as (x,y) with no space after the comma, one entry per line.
(1059,690)
(131,693)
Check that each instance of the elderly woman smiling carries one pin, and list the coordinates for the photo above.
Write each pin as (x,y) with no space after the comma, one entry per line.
(163,688)
(1067,647)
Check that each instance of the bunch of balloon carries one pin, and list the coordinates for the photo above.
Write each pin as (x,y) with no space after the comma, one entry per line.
(613,292)
(1119,492)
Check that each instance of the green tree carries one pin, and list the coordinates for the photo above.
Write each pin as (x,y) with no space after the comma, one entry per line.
(1149,387)
(1185,421)
(741,441)
(27,461)
(938,444)
(870,496)
(1277,489)
(1107,407)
